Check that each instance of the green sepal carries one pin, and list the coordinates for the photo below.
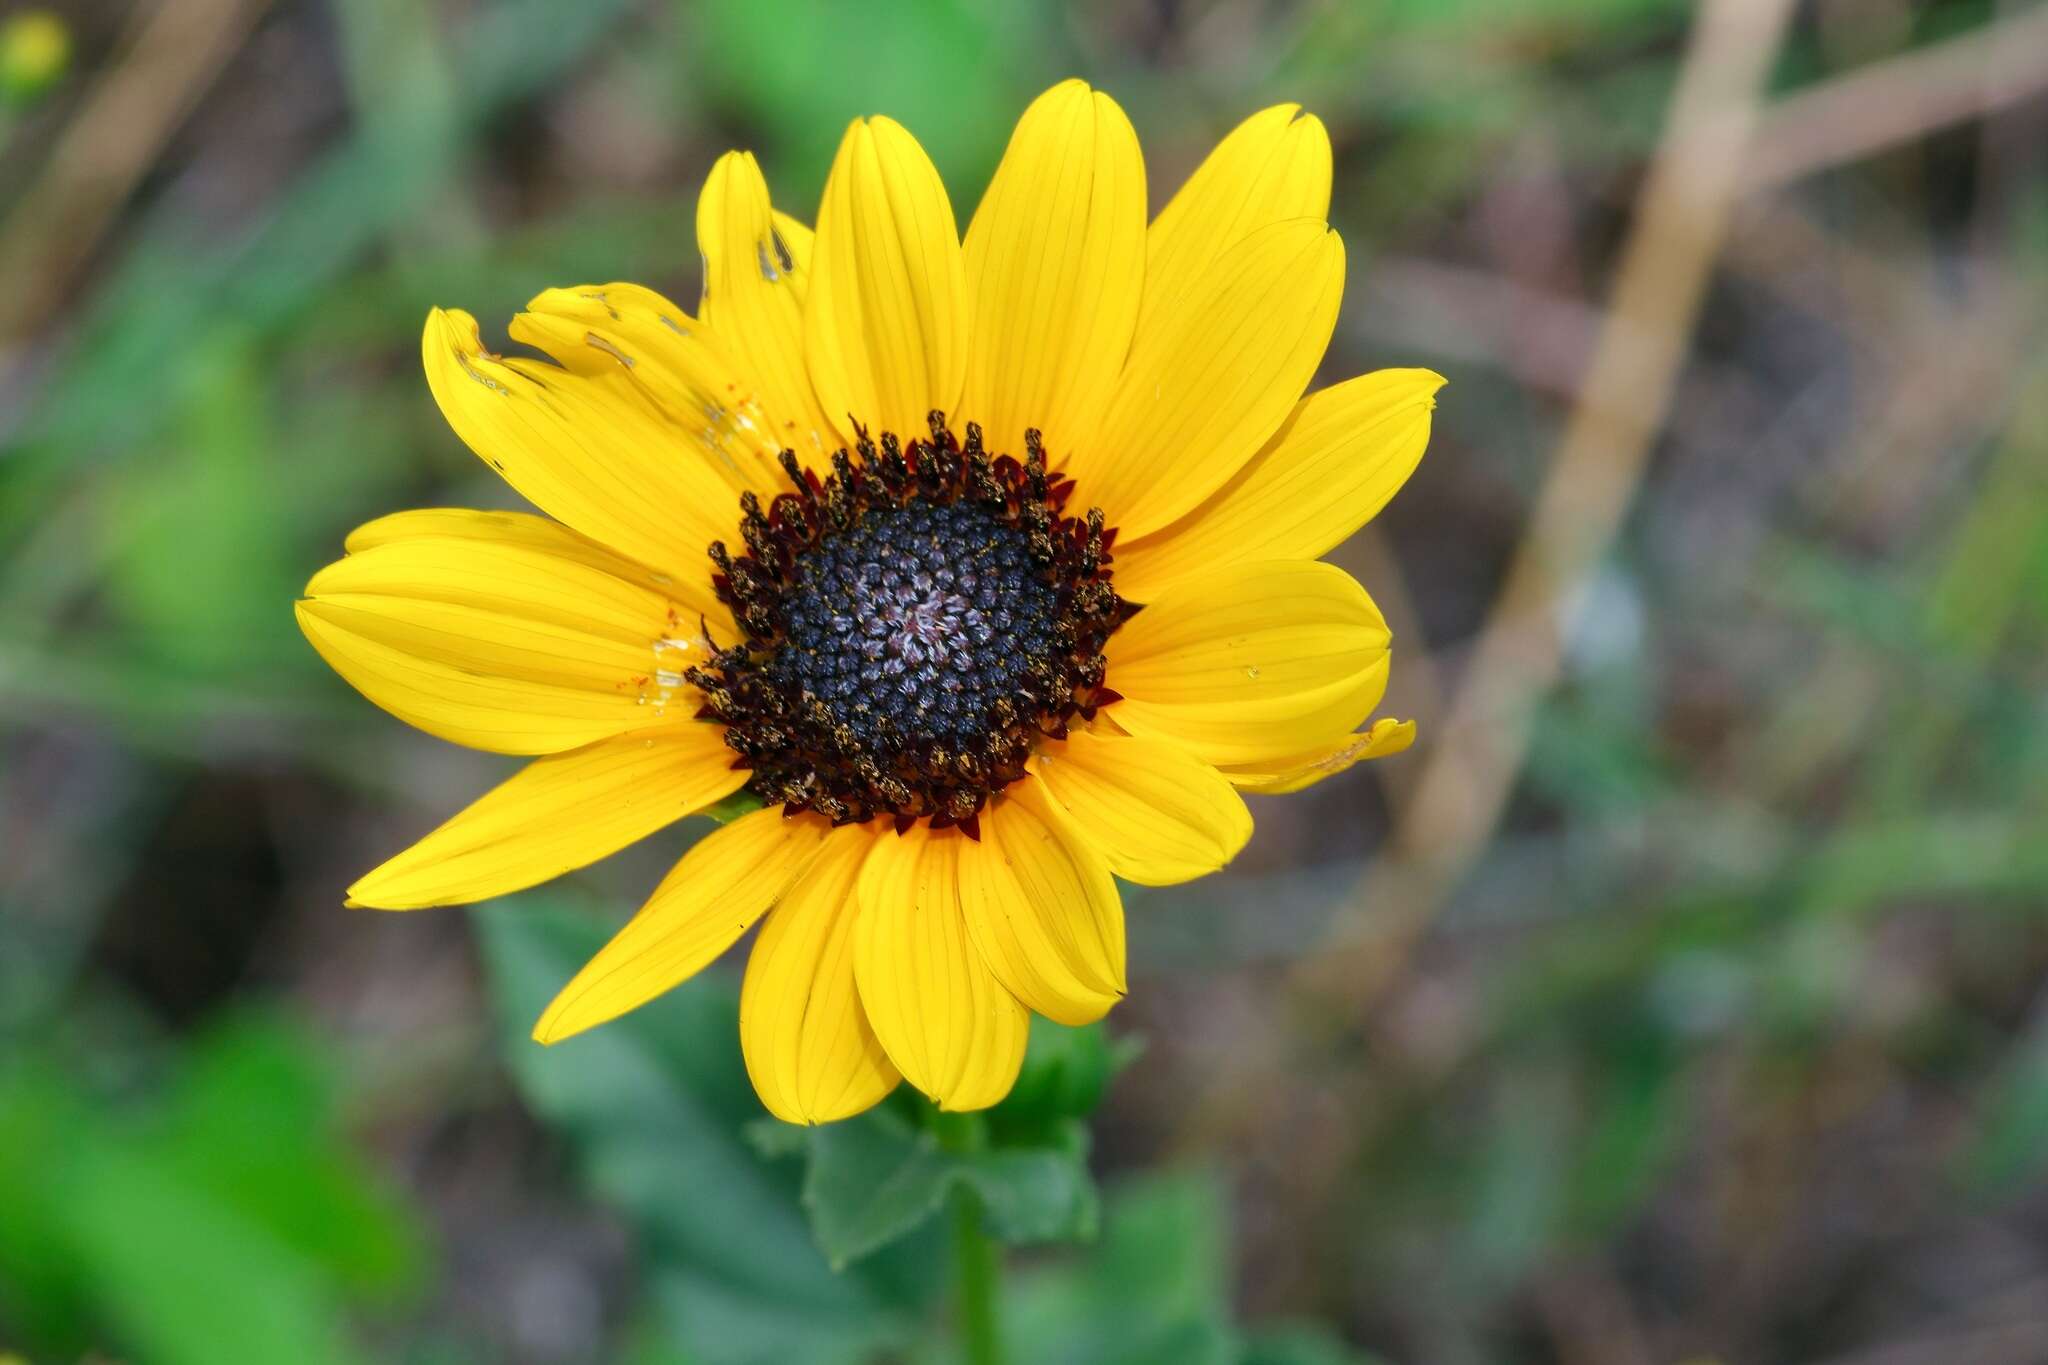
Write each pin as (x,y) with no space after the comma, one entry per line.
(730,808)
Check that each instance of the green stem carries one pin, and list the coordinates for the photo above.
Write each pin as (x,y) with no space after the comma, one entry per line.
(977,1260)
(977,1264)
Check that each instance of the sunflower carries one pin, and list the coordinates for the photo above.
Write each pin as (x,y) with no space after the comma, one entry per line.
(984,570)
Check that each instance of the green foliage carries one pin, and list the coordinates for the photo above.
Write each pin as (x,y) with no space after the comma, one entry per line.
(872,1180)
(957,72)
(884,1175)
(655,1108)
(1154,1290)
(2010,1147)
(223,1221)
(253,1124)
(750,1255)
(211,616)
(1065,1072)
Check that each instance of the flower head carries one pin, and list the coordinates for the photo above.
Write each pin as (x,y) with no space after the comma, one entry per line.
(989,567)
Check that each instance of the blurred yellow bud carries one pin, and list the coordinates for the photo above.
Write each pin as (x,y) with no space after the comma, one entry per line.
(35,52)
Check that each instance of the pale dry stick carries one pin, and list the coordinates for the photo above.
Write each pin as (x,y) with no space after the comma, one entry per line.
(1901,98)
(175,51)
(1682,215)
(1468,777)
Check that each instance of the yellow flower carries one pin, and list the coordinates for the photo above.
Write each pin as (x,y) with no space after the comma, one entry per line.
(35,52)
(974,670)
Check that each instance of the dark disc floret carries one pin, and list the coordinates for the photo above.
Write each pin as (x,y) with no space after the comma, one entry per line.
(911,625)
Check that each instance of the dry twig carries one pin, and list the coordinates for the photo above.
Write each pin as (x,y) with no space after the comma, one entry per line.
(1897,100)
(1681,218)
(176,51)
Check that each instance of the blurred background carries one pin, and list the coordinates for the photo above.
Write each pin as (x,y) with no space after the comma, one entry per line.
(1679,998)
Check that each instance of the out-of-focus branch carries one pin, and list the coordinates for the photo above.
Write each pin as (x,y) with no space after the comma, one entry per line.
(1899,99)
(175,52)
(1681,218)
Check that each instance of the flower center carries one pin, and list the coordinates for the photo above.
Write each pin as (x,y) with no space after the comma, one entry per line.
(916,621)
(911,625)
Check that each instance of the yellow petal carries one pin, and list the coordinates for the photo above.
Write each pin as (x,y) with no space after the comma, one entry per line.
(948,1024)
(885,323)
(669,384)
(1292,772)
(807,1043)
(1273,166)
(1056,264)
(755,279)
(559,813)
(692,595)
(1156,812)
(1042,909)
(1333,464)
(1212,375)
(583,448)
(721,886)
(1251,661)
(500,645)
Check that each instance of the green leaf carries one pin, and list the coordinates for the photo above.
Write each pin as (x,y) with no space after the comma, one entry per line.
(657,1108)
(1167,1244)
(877,1178)
(1065,1072)
(1636,1114)
(1153,1291)
(2010,1145)
(762,59)
(1303,1343)
(227,1221)
(205,602)
(43,1288)
(189,1280)
(252,1123)
(717,1322)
